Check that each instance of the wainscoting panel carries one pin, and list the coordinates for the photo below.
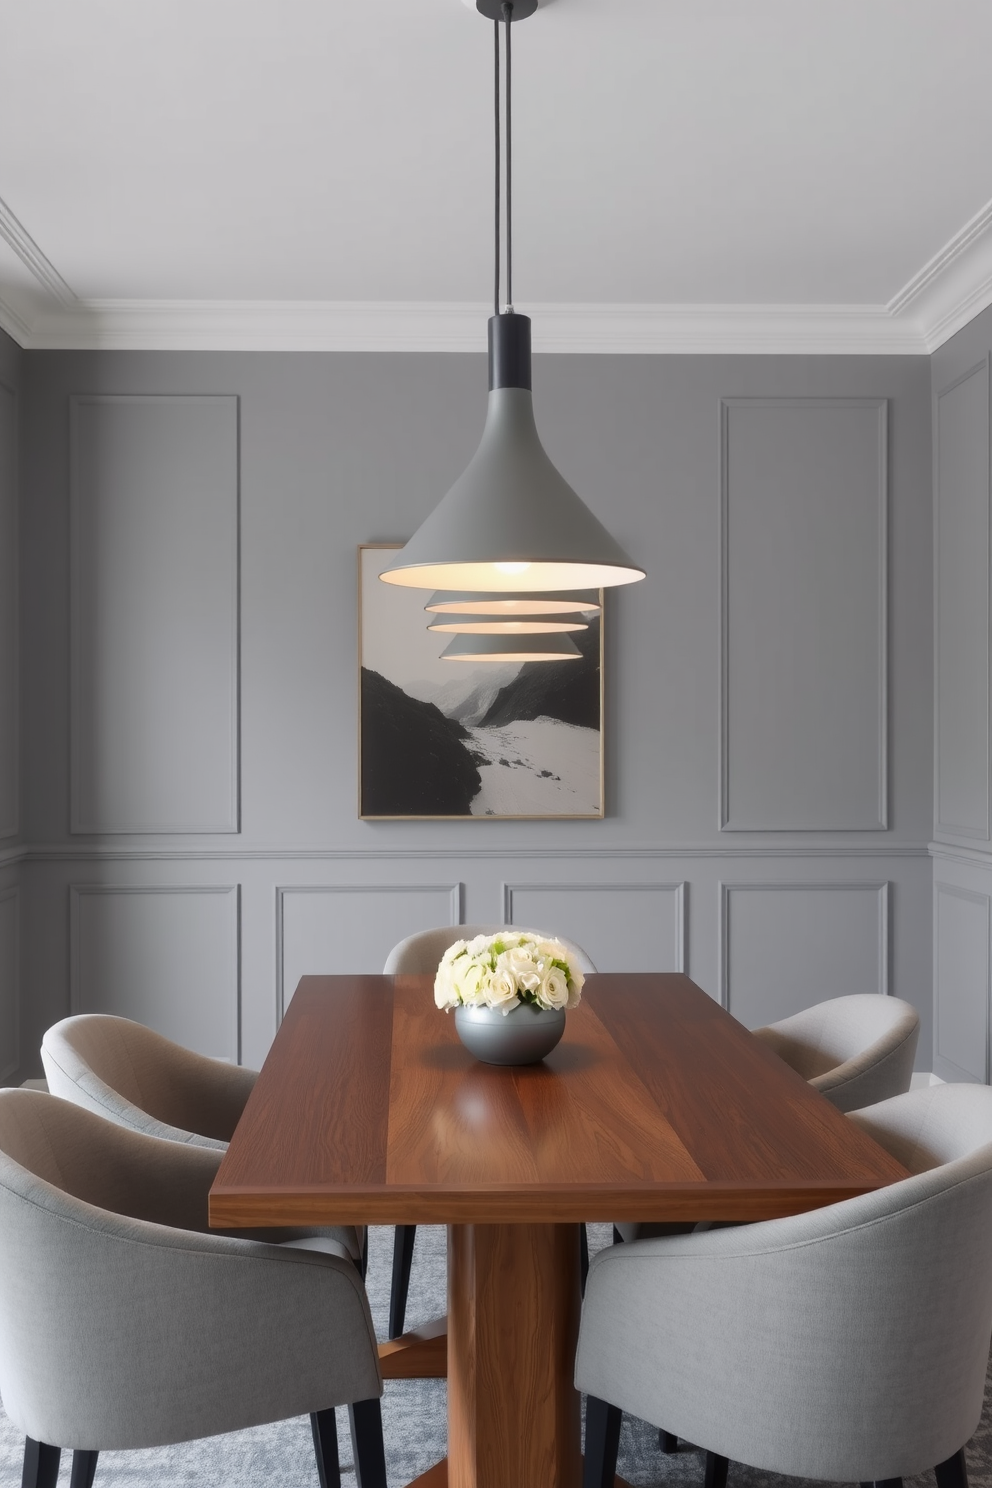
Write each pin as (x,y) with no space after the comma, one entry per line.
(154,614)
(621,926)
(9,710)
(785,946)
(166,956)
(10,978)
(804,580)
(338,929)
(961,539)
(961,983)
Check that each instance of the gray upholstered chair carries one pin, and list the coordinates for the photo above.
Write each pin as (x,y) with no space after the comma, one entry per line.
(850,1343)
(125,1323)
(855,1050)
(418,955)
(137,1078)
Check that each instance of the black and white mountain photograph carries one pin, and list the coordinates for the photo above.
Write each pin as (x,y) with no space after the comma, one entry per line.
(470,738)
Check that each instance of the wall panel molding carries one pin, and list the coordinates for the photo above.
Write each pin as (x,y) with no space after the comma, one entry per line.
(154,614)
(881,939)
(450,894)
(792,706)
(962,982)
(10,981)
(677,893)
(173,965)
(961,612)
(104,852)
(9,616)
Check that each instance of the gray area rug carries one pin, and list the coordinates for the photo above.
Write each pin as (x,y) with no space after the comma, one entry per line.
(281,1456)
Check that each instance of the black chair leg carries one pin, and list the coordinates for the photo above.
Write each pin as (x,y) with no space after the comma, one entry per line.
(602,1443)
(41,1464)
(583,1257)
(83,1469)
(668,1441)
(363,1262)
(716,1471)
(366,1440)
(953,1473)
(403,1239)
(325,1447)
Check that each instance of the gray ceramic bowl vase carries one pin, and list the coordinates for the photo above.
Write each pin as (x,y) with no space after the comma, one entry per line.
(522,1036)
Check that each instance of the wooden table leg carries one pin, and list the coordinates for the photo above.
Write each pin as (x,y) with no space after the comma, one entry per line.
(513,1321)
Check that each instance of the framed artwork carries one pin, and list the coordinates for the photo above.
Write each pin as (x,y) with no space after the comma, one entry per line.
(466,739)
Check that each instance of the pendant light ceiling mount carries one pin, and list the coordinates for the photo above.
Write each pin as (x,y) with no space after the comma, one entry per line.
(493,9)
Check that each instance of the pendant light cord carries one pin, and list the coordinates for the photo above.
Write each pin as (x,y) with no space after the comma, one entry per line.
(496,212)
(507,16)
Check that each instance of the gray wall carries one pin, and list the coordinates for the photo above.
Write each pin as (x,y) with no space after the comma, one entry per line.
(189,679)
(962,845)
(10,867)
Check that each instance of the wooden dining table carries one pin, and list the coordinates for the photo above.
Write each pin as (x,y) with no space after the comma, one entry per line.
(656,1106)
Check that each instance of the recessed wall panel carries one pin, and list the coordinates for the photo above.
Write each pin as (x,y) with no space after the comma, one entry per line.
(621,927)
(10,1056)
(961,983)
(164,956)
(9,711)
(788,946)
(962,606)
(804,557)
(154,614)
(331,930)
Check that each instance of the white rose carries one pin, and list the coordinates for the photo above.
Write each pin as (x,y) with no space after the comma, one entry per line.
(521,967)
(455,949)
(501,991)
(478,947)
(554,989)
(574,993)
(444,990)
(469,979)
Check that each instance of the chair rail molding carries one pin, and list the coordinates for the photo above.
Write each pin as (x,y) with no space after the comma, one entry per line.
(10,629)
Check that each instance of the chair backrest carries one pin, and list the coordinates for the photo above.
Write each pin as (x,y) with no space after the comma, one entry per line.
(856,1050)
(132,1075)
(419,954)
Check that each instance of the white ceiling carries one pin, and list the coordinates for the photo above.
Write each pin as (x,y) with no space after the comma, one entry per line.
(688,173)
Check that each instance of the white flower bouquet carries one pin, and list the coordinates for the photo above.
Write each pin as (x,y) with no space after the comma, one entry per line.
(502,971)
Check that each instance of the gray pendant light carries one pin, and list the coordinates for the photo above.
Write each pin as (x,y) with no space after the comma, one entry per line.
(514,648)
(451,602)
(511,521)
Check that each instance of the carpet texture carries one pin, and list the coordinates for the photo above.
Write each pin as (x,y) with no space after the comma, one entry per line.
(281,1456)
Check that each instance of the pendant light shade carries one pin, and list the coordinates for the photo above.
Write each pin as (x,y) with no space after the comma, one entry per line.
(511,648)
(447,602)
(511,522)
(532,625)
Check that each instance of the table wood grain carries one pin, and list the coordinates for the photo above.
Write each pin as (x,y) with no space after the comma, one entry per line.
(656,1105)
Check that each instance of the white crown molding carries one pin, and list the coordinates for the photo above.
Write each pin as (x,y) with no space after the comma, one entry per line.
(648,330)
(953,286)
(31,256)
(947,292)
